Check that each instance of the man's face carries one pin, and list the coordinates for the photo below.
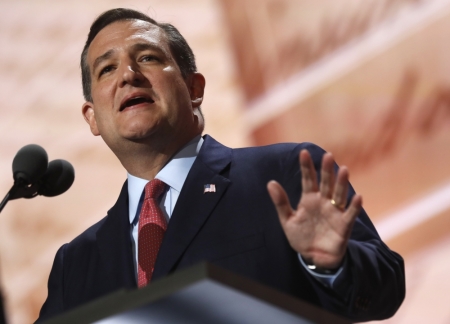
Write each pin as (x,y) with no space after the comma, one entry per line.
(138,91)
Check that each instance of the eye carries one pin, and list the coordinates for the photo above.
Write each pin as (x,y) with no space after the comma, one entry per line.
(148,58)
(106,69)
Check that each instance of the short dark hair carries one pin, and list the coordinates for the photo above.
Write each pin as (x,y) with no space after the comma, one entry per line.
(179,48)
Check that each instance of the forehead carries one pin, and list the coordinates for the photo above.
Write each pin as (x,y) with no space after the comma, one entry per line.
(121,34)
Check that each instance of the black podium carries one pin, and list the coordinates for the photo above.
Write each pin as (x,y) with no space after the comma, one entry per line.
(201,294)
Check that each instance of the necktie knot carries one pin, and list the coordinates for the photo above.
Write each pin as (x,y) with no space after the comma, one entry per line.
(154,189)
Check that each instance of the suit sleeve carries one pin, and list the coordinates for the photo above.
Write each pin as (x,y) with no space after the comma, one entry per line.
(371,285)
(54,303)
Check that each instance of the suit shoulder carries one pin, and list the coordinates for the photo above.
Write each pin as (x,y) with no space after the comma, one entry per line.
(278,150)
(278,162)
(88,236)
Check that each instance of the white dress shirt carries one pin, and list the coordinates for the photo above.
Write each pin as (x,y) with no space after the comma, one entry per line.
(173,174)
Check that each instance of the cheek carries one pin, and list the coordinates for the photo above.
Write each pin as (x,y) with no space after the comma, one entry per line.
(103,92)
(105,96)
(169,69)
(105,108)
(179,91)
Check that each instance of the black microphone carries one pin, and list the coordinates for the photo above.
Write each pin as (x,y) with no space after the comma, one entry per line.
(33,175)
(29,164)
(57,180)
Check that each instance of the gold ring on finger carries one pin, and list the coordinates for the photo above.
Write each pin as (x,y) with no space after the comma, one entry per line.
(335,204)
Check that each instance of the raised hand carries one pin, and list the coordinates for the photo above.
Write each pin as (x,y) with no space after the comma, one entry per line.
(320,227)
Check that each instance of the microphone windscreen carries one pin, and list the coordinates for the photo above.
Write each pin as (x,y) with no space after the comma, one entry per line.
(58,178)
(29,164)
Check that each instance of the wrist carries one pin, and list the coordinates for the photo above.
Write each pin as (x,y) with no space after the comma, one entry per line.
(320,270)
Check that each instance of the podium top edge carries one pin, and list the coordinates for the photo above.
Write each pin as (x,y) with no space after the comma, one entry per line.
(123,300)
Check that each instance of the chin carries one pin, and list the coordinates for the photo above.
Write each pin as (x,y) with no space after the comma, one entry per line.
(138,133)
(138,138)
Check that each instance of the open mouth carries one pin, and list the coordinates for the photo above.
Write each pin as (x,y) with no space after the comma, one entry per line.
(135,101)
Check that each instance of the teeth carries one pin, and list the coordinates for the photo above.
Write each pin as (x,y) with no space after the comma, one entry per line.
(136,100)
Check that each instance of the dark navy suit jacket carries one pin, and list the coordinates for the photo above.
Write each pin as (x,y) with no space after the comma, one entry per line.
(236,228)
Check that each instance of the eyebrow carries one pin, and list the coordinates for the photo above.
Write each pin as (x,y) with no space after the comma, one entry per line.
(101,58)
(148,46)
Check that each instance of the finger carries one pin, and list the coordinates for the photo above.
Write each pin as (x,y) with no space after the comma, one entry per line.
(327,176)
(353,211)
(309,177)
(341,188)
(280,200)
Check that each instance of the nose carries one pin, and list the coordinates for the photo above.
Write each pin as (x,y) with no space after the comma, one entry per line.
(131,75)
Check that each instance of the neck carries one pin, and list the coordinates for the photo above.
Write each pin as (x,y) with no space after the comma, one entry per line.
(145,161)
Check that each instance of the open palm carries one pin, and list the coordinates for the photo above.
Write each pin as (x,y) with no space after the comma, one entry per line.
(320,227)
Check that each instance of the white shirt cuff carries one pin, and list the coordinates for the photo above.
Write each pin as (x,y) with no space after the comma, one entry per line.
(326,280)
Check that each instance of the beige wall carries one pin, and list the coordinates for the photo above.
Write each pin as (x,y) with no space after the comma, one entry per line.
(365,80)
(368,81)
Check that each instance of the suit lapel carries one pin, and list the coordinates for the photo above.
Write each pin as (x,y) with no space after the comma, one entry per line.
(114,244)
(193,206)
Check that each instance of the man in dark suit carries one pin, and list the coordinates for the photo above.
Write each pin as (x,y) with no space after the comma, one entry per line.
(260,212)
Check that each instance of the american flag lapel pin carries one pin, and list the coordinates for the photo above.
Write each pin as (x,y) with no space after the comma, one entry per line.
(209,188)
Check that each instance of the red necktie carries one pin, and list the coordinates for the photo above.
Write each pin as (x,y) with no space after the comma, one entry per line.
(152,226)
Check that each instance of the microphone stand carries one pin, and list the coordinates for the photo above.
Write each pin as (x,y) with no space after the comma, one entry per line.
(5,200)
(20,189)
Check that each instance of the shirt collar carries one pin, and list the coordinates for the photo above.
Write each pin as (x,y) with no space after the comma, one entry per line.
(174,174)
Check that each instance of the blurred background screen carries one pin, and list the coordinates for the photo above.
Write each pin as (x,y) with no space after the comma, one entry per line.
(367,80)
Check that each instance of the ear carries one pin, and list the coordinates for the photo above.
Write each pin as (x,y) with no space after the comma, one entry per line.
(196,88)
(89,116)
